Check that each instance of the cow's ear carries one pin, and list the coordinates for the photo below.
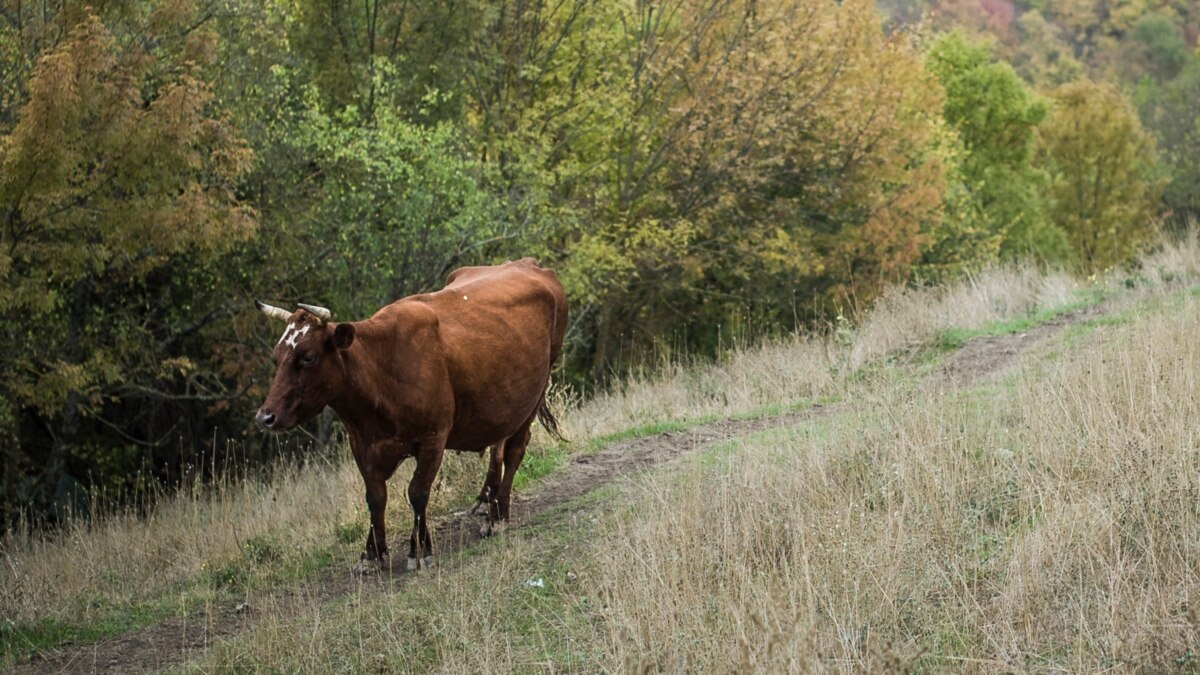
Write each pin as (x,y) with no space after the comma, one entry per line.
(343,335)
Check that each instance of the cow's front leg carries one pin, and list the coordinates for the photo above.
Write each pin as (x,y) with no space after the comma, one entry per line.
(420,544)
(375,556)
(376,463)
(377,504)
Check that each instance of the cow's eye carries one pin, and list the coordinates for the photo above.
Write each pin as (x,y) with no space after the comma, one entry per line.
(308,359)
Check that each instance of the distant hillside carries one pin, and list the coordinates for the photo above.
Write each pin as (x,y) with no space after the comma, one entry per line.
(1146,47)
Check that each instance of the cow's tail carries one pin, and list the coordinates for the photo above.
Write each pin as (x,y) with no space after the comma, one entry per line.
(548,421)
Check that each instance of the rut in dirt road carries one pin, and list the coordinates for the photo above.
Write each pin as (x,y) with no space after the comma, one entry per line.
(172,642)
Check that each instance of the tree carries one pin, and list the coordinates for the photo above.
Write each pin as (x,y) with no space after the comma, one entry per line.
(1158,48)
(1044,57)
(779,157)
(1172,109)
(1103,173)
(343,43)
(117,178)
(389,206)
(995,113)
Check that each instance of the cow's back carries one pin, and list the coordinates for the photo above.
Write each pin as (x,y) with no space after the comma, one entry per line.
(500,331)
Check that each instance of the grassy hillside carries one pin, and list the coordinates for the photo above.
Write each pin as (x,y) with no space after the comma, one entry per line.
(1046,519)
(997,475)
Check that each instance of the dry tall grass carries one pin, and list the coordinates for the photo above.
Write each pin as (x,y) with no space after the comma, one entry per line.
(499,611)
(1174,260)
(906,318)
(1053,522)
(809,365)
(1045,521)
(95,566)
(92,567)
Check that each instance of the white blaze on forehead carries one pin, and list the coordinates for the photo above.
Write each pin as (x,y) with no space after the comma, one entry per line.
(292,335)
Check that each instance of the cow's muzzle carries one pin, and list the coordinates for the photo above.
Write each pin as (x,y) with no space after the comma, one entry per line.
(265,419)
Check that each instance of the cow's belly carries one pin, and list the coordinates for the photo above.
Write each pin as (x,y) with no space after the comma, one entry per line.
(475,438)
(488,417)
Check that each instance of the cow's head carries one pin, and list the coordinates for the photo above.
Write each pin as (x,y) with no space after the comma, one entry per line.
(308,366)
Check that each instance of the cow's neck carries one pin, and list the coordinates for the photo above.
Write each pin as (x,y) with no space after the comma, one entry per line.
(360,397)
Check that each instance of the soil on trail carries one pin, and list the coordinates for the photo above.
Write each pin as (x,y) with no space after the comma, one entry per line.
(172,642)
(986,356)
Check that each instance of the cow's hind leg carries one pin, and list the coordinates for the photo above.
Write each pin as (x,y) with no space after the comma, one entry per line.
(491,484)
(489,496)
(420,543)
(514,452)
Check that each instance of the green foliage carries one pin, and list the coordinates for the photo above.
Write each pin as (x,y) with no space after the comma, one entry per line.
(962,241)
(1172,110)
(414,58)
(995,115)
(262,549)
(117,180)
(1142,46)
(986,101)
(1160,42)
(775,158)
(392,205)
(1104,178)
(1045,57)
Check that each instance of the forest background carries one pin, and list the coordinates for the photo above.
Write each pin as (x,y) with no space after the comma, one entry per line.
(699,172)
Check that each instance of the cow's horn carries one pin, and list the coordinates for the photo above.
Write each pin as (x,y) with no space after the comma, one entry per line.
(271,311)
(319,312)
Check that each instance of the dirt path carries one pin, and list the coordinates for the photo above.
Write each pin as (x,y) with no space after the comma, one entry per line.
(172,642)
(986,356)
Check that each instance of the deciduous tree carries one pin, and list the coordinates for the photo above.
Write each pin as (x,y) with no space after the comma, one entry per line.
(995,113)
(1104,183)
(117,178)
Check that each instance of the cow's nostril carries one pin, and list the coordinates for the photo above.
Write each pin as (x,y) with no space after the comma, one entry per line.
(265,419)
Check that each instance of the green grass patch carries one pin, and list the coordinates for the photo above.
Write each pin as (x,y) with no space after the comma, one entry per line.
(22,642)
(538,464)
(1152,305)
(955,338)
(769,410)
(779,440)
(648,430)
(541,461)
(589,501)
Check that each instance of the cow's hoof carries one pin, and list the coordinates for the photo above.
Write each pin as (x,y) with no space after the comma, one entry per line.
(494,528)
(365,567)
(414,564)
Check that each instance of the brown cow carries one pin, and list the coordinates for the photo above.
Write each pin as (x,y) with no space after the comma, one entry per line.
(464,368)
